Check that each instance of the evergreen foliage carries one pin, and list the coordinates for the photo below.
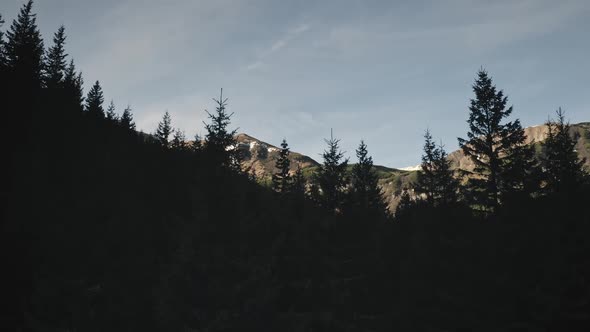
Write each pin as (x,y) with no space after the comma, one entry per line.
(111,115)
(435,179)
(563,170)
(331,177)
(365,193)
(127,119)
(103,230)
(164,130)
(24,50)
(94,101)
(178,140)
(281,180)
(55,62)
(502,159)
(220,143)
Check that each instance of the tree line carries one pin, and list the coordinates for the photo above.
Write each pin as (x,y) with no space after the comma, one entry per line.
(108,228)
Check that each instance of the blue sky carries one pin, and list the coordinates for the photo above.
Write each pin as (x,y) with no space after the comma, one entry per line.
(382,71)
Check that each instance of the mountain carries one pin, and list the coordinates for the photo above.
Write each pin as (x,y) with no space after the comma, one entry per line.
(260,159)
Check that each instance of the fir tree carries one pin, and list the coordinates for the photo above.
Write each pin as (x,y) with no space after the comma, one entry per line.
(220,143)
(364,185)
(94,101)
(73,83)
(110,114)
(563,170)
(282,180)
(127,119)
(331,177)
(178,140)
(197,143)
(164,130)
(498,149)
(298,185)
(426,183)
(55,60)
(435,179)
(2,51)
(405,204)
(24,49)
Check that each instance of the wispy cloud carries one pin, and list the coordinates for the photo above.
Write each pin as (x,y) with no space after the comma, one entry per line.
(279,44)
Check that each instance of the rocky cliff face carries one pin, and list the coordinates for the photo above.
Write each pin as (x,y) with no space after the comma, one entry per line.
(535,135)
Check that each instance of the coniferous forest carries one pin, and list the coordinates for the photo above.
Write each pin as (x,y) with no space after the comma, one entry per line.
(105,228)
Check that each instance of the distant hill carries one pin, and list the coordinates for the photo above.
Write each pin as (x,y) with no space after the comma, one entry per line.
(260,159)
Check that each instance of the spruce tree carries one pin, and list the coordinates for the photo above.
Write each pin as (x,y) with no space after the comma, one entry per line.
(364,185)
(220,144)
(94,101)
(178,140)
(127,119)
(111,115)
(563,170)
(498,149)
(330,177)
(426,184)
(298,185)
(73,83)
(164,130)
(55,60)
(282,180)
(435,179)
(197,143)
(24,50)
(2,51)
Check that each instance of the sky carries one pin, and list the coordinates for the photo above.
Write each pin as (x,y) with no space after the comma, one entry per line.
(381,71)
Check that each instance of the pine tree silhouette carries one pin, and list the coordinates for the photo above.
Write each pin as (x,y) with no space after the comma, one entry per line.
(281,180)
(164,130)
(178,140)
(127,119)
(298,185)
(111,115)
(435,179)
(331,178)
(220,144)
(498,150)
(24,49)
(55,60)
(73,83)
(364,189)
(563,169)
(94,101)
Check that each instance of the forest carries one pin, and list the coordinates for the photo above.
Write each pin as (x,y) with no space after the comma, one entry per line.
(106,228)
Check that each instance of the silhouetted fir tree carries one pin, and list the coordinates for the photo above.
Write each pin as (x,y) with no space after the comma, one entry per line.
(364,191)
(426,183)
(178,140)
(298,185)
(281,180)
(74,86)
(405,204)
(497,149)
(220,144)
(94,101)
(24,50)
(2,50)
(197,143)
(127,119)
(435,179)
(55,60)
(110,114)
(164,130)
(563,169)
(330,177)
